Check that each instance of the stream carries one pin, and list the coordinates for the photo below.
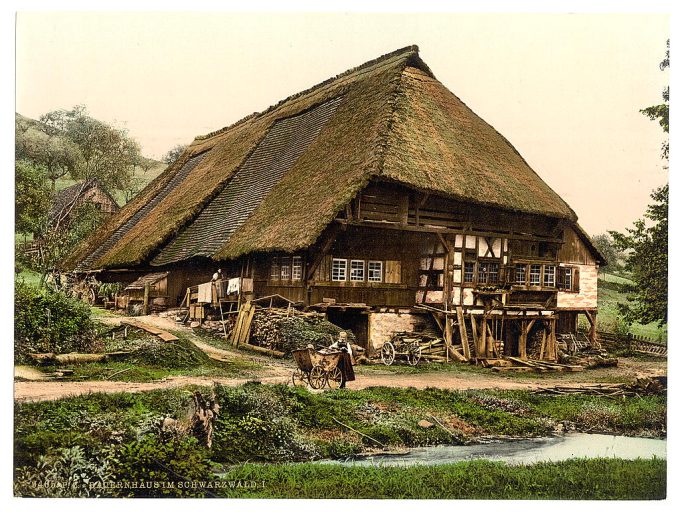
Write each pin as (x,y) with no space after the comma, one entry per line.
(516,452)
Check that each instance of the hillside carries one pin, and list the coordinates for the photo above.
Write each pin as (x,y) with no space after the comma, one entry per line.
(139,174)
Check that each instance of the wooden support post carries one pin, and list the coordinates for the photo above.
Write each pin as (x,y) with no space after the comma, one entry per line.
(475,339)
(463,332)
(147,289)
(448,337)
(523,340)
(483,349)
(543,342)
(592,335)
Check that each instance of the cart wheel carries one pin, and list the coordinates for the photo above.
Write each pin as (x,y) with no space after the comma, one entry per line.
(387,353)
(414,354)
(317,377)
(334,378)
(298,378)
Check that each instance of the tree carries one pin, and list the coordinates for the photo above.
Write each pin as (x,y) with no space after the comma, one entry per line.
(32,197)
(174,153)
(57,154)
(605,245)
(108,153)
(660,112)
(646,243)
(647,262)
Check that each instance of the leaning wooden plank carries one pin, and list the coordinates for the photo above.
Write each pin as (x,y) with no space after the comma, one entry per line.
(463,332)
(245,329)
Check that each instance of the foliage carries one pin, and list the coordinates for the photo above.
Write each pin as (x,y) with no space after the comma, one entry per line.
(69,473)
(153,458)
(647,240)
(50,321)
(57,241)
(32,197)
(572,479)
(174,153)
(647,262)
(660,112)
(58,154)
(108,153)
(605,245)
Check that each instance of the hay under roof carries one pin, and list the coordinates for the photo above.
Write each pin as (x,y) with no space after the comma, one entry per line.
(388,118)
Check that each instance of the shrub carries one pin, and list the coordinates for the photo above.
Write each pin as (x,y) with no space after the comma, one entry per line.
(154,459)
(69,473)
(47,321)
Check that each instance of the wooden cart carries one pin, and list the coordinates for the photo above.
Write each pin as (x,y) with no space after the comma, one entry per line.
(318,369)
(402,348)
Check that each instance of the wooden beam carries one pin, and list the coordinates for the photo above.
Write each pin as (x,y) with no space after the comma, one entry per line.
(325,247)
(434,229)
(463,332)
(474,335)
(523,340)
(444,242)
(482,345)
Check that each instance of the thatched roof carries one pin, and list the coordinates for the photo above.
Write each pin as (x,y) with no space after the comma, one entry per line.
(276,179)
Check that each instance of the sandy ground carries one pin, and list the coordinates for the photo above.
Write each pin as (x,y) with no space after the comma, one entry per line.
(32,387)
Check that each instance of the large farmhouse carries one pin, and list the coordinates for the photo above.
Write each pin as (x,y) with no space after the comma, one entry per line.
(378,197)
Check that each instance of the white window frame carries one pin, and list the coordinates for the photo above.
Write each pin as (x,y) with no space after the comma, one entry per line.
(532,274)
(380,269)
(546,275)
(568,278)
(523,267)
(275,271)
(296,268)
(352,269)
(340,276)
(285,269)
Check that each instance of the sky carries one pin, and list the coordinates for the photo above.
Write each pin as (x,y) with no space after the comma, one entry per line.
(564,89)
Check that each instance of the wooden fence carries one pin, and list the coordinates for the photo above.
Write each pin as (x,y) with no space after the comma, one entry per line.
(632,342)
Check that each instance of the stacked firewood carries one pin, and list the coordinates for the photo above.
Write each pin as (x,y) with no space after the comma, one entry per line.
(285,330)
(432,348)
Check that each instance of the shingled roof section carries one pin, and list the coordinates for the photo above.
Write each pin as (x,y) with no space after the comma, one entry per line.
(277,152)
(395,120)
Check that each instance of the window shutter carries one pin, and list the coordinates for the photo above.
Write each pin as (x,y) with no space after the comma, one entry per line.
(575,280)
(560,278)
(392,271)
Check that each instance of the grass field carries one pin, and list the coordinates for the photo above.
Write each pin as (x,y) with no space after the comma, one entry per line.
(608,315)
(573,479)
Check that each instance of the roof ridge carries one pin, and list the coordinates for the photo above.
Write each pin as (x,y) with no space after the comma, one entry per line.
(411,50)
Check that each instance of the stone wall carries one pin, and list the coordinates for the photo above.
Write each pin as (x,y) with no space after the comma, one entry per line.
(382,325)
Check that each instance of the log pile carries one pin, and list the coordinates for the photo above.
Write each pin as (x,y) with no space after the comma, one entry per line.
(287,329)
(641,386)
(432,348)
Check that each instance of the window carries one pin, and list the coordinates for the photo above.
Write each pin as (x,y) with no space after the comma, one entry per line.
(285,269)
(274,274)
(357,270)
(493,272)
(469,275)
(375,271)
(535,274)
(483,272)
(568,278)
(520,274)
(339,269)
(549,276)
(296,268)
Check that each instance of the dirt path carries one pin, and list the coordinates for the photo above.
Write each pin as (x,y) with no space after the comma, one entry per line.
(279,371)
